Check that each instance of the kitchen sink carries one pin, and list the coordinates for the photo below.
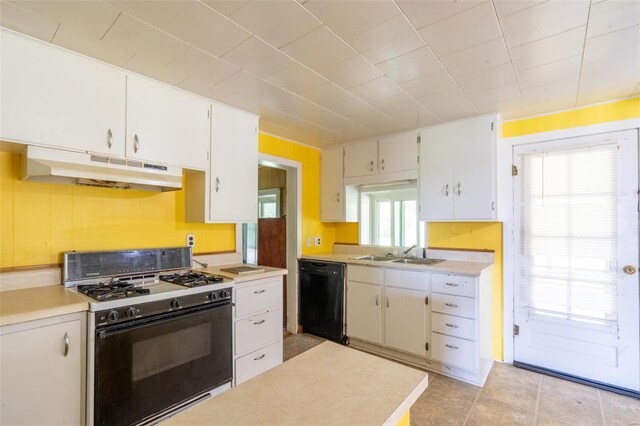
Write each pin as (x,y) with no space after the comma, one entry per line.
(376,258)
(418,261)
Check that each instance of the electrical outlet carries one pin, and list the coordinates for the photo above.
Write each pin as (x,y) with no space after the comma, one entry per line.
(317,241)
(191,240)
(309,242)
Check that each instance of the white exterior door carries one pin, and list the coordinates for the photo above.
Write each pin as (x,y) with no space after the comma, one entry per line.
(398,153)
(361,159)
(364,311)
(331,186)
(576,291)
(165,125)
(436,172)
(405,320)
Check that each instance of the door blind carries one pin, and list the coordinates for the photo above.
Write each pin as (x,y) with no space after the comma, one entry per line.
(569,233)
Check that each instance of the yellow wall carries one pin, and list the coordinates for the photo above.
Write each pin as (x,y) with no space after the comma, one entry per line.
(39,221)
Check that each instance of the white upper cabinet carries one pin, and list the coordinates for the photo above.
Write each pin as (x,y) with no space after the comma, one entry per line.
(397,153)
(361,158)
(234,166)
(458,170)
(57,98)
(166,125)
(332,196)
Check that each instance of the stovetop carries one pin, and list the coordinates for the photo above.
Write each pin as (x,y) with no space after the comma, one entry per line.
(192,279)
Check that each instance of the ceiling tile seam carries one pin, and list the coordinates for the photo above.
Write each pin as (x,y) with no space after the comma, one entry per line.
(504,42)
(547,37)
(445,18)
(584,45)
(305,121)
(112,23)
(546,63)
(287,139)
(635,90)
(612,32)
(522,10)
(55,32)
(435,56)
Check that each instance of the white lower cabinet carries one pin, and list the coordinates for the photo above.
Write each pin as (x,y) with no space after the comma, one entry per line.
(257,327)
(437,321)
(41,364)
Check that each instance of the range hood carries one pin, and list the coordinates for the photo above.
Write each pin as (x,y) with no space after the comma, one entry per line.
(58,166)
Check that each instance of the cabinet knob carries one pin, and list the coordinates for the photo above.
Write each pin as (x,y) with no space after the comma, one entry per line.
(217,184)
(382,164)
(136,143)
(109,138)
(371,166)
(458,188)
(446,190)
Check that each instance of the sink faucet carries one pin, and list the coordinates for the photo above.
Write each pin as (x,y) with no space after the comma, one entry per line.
(409,249)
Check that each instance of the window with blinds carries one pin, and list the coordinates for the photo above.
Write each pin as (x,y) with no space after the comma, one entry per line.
(569,233)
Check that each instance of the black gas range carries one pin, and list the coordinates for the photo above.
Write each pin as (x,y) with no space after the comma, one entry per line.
(155,327)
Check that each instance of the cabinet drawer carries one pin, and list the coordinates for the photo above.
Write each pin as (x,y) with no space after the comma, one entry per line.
(454,284)
(364,274)
(412,280)
(258,362)
(454,326)
(453,351)
(453,305)
(257,331)
(258,298)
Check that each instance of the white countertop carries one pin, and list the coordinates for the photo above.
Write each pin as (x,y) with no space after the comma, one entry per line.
(39,302)
(240,278)
(328,385)
(448,266)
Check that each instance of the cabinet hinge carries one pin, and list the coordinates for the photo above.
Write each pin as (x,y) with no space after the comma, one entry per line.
(516,330)
(426,300)
(419,139)
(418,159)
(426,346)
(208,114)
(514,171)
(492,125)
(207,155)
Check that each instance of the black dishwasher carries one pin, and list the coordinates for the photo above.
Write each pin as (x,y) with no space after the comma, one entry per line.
(322,299)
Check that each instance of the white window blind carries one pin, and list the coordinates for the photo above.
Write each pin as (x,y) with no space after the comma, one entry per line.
(569,233)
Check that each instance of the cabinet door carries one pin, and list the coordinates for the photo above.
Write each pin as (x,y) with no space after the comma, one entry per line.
(165,125)
(361,159)
(234,166)
(436,172)
(405,320)
(57,98)
(332,195)
(364,311)
(474,168)
(398,153)
(39,384)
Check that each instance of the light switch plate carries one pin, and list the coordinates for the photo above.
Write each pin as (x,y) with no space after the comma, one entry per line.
(309,242)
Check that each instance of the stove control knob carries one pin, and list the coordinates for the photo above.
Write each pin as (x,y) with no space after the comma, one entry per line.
(224,294)
(213,296)
(130,312)
(175,303)
(112,316)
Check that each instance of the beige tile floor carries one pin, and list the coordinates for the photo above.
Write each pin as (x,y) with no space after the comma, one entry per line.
(511,396)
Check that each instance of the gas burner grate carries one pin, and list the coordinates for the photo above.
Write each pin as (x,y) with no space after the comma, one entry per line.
(112,290)
(192,279)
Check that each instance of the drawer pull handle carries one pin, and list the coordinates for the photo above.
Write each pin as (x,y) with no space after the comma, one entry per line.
(66,344)
(377,301)
(451,305)
(453,284)
(451,346)
(258,358)
(451,325)
(258,291)
(259,322)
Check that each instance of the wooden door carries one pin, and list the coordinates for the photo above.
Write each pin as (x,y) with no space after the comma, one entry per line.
(398,152)
(361,159)
(272,250)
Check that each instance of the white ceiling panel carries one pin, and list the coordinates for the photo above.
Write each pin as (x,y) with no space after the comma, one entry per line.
(487,78)
(258,57)
(249,85)
(544,20)
(429,84)
(469,28)
(90,17)
(278,22)
(449,105)
(613,15)
(132,34)
(557,95)
(422,13)
(612,45)
(411,65)
(622,75)
(509,7)
(297,78)
(352,107)
(25,22)
(406,110)
(148,67)
(203,66)
(374,90)
(477,58)
(319,49)
(350,17)
(155,12)
(327,95)
(203,27)
(203,88)
(353,71)
(79,42)
(242,102)
(496,95)
(564,69)
(390,39)
(551,49)
(226,7)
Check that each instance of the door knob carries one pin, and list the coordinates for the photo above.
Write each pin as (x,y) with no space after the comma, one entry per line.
(630,269)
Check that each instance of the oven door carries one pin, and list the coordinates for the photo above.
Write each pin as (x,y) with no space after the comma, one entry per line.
(147,366)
